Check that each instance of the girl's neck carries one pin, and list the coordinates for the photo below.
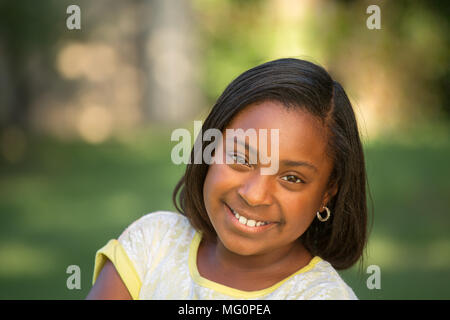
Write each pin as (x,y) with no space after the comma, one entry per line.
(249,273)
(291,257)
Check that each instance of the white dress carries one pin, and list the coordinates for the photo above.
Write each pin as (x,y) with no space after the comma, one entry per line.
(156,258)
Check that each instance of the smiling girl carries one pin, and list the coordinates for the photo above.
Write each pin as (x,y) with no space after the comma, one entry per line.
(242,234)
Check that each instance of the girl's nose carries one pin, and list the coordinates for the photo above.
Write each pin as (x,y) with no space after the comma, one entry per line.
(256,190)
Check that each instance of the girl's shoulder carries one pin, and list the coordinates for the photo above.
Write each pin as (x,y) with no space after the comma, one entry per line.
(160,216)
(143,244)
(326,283)
(158,224)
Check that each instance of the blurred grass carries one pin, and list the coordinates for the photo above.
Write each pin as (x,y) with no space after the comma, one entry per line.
(65,200)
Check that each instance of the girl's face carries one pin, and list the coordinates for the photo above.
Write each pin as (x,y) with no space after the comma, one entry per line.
(287,201)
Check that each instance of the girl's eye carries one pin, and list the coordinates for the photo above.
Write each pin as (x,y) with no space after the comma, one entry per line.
(292,179)
(239,160)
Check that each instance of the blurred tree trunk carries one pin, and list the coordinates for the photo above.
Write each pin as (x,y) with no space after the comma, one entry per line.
(6,87)
(168,58)
(14,91)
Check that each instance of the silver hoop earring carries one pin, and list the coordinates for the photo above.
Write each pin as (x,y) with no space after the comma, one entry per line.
(326,218)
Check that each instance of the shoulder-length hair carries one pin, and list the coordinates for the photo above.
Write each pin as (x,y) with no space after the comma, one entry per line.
(296,84)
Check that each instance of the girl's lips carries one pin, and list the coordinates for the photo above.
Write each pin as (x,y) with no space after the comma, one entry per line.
(245,228)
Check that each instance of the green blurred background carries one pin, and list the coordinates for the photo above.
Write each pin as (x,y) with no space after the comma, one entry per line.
(86,117)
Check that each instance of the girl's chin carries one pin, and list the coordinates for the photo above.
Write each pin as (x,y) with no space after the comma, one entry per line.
(239,248)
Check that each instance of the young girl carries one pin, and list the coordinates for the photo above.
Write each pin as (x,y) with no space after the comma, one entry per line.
(246,235)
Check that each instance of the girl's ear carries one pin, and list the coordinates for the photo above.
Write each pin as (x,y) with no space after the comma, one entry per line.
(329,194)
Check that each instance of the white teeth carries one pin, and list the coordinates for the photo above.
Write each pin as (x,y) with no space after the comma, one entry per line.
(251,223)
(248,222)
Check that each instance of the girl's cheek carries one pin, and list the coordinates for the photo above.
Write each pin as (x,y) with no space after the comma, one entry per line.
(217,177)
(221,172)
(302,203)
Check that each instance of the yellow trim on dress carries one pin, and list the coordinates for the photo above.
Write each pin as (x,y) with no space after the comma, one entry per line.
(114,251)
(232,291)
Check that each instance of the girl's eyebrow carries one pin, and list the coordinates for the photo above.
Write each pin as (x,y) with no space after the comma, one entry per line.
(292,163)
(287,163)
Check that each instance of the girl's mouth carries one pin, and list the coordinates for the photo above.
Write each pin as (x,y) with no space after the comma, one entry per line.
(247,224)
